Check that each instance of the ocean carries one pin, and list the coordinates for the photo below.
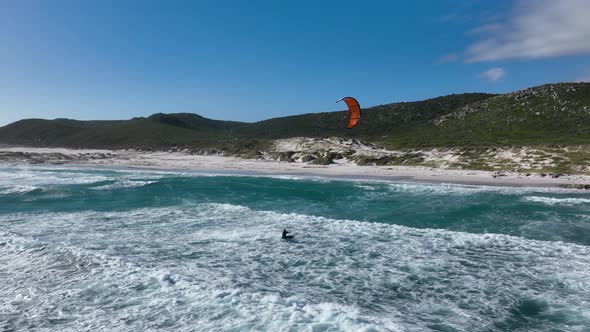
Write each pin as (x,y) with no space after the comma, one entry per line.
(128,250)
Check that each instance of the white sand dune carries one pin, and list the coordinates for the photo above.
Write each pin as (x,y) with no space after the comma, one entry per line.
(218,163)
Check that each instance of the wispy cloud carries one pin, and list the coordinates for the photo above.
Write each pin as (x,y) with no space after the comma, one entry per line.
(537,29)
(450,57)
(493,74)
(486,29)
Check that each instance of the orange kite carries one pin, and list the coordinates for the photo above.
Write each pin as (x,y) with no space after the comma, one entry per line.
(354,111)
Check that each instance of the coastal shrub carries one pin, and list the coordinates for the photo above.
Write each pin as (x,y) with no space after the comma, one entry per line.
(307,158)
(322,161)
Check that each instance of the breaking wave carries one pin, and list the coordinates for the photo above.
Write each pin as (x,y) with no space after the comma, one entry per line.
(557,201)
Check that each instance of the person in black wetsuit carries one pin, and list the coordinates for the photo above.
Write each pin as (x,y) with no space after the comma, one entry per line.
(285,236)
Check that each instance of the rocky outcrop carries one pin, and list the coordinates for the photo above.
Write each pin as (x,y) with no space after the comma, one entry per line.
(49,158)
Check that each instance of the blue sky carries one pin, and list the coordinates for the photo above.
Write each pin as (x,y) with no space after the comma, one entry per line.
(253,60)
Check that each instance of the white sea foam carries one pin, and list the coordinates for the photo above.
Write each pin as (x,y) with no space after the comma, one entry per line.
(16,189)
(20,180)
(48,175)
(222,267)
(214,266)
(44,178)
(124,183)
(462,190)
(557,201)
(366,187)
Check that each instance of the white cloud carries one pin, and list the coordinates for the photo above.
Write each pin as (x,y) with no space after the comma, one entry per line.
(493,74)
(537,29)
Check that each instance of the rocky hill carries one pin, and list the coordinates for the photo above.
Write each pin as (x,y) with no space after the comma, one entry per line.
(549,114)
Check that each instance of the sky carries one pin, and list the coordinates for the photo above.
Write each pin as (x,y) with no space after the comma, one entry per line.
(254,60)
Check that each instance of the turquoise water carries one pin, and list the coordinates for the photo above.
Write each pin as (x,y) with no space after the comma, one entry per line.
(84,249)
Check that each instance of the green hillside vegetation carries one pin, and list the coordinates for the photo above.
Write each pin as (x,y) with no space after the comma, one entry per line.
(377,122)
(547,115)
(158,131)
(550,114)
(161,131)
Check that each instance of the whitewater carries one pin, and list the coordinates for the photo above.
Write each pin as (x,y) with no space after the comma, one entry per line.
(85,248)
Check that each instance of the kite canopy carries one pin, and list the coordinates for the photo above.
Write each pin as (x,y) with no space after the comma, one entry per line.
(354,111)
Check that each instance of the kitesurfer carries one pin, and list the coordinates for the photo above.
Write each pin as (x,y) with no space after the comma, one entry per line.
(285,236)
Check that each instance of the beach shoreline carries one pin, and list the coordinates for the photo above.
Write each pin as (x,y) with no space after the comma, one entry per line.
(181,161)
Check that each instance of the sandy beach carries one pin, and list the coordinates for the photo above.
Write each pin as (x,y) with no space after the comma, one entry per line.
(232,165)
